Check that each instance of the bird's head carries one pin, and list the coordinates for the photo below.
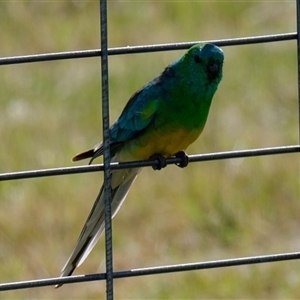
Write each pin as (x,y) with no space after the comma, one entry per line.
(203,63)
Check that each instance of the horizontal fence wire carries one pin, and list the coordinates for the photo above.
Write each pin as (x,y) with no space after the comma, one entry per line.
(151,162)
(152,271)
(146,48)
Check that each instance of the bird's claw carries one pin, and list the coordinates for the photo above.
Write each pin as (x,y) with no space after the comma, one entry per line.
(184,159)
(161,161)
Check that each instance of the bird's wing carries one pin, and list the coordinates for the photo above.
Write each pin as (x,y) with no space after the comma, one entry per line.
(138,113)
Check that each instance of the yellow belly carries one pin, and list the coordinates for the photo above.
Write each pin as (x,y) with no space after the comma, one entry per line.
(165,144)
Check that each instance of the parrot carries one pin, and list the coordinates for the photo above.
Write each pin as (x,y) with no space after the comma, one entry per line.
(159,121)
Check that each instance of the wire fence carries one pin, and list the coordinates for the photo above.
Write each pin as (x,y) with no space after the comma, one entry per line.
(104,52)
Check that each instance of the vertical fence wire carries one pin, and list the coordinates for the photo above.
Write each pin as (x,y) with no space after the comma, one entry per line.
(106,148)
(298,60)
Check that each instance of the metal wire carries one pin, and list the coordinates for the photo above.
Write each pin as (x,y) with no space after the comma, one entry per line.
(149,162)
(109,276)
(298,60)
(146,48)
(106,152)
(153,271)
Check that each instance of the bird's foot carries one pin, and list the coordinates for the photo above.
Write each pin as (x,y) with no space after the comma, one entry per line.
(161,161)
(184,159)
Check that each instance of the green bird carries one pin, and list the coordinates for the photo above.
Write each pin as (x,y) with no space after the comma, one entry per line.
(160,120)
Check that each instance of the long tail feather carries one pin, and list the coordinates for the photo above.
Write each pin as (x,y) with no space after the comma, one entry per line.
(121,181)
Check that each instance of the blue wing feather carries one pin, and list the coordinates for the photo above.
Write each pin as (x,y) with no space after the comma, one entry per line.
(137,114)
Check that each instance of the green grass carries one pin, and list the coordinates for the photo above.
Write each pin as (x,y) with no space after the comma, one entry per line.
(212,210)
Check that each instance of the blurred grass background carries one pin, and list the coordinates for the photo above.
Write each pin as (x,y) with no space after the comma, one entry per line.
(212,210)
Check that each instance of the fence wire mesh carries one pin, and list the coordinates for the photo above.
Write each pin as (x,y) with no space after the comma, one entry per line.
(104,52)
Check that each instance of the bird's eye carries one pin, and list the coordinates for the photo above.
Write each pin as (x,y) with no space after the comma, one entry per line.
(197,59)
